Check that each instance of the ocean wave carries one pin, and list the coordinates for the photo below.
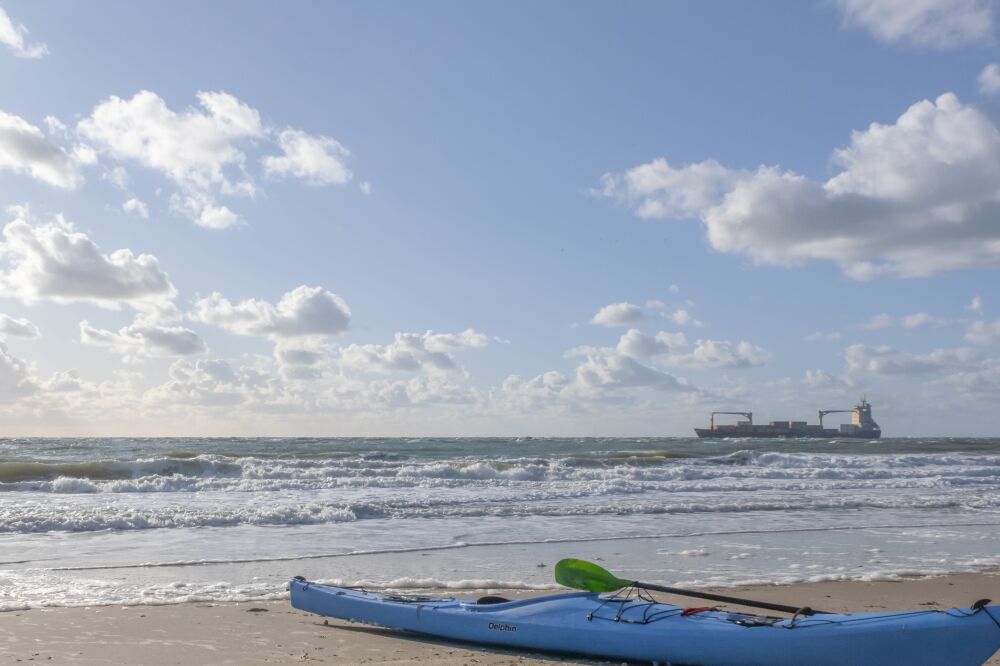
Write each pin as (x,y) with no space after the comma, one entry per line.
(102,470)
(74,517)
(739,470)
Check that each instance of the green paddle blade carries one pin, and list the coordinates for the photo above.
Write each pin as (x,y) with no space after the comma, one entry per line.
(581,575)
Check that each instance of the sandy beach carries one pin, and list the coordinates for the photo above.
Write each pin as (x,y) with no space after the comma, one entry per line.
(272,632)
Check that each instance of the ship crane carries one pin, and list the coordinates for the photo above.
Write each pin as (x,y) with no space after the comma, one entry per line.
(749,416)
(824,412)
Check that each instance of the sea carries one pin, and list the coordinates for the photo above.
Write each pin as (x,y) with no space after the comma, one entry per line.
(128,521)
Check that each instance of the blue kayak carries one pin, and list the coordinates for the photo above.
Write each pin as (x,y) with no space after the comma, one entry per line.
(636,629)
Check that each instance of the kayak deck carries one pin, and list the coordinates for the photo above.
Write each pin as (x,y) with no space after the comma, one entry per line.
(638,629)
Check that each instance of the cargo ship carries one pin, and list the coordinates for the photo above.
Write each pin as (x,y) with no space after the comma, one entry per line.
(862,426)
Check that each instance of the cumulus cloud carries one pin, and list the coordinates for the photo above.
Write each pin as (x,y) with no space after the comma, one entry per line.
(608,370)
(136,207)
(672,350)
(983,379)
(25,149)
(412,352)
(636,344)
(204,150)
(144,339)
(19,328)
(884,360)
(15,376)
(197,148)
(192,147)
(660,190)
(618,314)
(206,383)
(989,79)
(682,317)
(302,311)
(976,304)
(938,24)
(535,393)
(15,37)
(819,379)
(983,333)
(914,198)
(878,321)
(318,160)
(301,358)
(54,261)
(922,319)
(723,354)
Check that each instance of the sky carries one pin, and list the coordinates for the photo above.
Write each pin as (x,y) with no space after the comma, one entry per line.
(497,218)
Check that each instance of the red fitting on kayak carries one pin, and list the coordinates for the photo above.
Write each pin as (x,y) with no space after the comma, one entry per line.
(693,611)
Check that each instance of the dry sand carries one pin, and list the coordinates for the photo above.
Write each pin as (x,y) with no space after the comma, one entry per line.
(273,633)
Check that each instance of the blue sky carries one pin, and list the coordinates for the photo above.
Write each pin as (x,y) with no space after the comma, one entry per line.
(498,218)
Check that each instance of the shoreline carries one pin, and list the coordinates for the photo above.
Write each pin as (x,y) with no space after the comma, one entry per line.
(272,632)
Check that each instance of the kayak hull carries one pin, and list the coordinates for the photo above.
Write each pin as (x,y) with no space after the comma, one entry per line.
(611,627)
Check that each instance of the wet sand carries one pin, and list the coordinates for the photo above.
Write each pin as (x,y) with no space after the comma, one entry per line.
(274,633)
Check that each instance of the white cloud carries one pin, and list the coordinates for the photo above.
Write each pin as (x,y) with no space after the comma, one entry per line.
(136,207)
(922,319)
(605,369)
(976,304)
(672,350)
(15,376)
(618,314)
(878,321)
(818,379)
(983,379)
(365,187)
(15,37)
(655,304)
(914,198)
(989,79)
(193,147)
(197,148)
(537,392)
(204,211)
(638,345)
(24,148)
(412,352)
(884,360)
(301,358)
(117,176)
(931,23)
(983,333)
(318,160)
(142,339)
(723,354)
(683,318)
(822,336)
(300,312)
(21,328)
(206,383)
(55,261)
(659,190)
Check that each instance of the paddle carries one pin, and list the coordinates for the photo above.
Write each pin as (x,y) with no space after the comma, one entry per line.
(581,575)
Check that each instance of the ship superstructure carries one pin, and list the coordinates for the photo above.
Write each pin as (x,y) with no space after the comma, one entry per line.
(862,426)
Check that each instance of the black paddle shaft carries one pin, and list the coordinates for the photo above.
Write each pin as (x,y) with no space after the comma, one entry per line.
(733,600)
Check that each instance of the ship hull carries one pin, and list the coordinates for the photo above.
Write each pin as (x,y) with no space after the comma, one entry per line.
(768,432)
